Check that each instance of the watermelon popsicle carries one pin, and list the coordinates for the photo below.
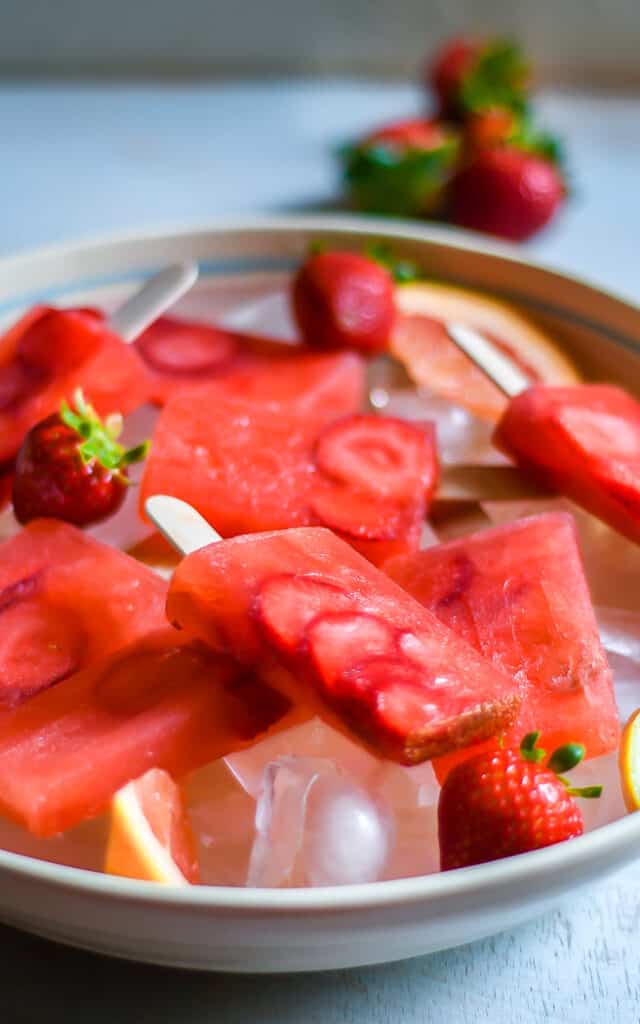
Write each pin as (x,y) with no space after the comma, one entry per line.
(326,627)
(159,702)
(50,353)
(518,594)
(67,600)
(249,465)
(582,441)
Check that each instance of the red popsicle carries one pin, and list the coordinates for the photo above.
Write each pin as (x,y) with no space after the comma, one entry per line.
(321,622)
(65,601)
(161,702)
(518,594)
(582,441)
(49,353)
(248,467)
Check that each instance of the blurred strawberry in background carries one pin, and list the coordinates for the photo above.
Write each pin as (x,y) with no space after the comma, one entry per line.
(481,162)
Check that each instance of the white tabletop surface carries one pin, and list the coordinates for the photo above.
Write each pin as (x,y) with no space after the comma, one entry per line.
(84,159)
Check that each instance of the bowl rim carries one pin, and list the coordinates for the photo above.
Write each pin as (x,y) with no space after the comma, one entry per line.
(617,837)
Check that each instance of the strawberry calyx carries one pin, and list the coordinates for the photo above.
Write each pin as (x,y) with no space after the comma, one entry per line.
(499,77)
(562,760)
(100,437)
(402,270)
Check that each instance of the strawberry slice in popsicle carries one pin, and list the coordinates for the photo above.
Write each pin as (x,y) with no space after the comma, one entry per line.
(65,601)
(518,594)
(322,624)
(582,441)
(160,702)
(47,355)
(248,466)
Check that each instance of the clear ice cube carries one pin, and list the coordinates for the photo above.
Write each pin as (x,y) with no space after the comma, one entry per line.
(222,817)
(315,826)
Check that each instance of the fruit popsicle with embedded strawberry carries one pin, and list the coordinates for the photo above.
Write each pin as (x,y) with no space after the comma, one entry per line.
(248,466)
(326,627)
(581,441)
(159,702)
(47,355)
(67,600)
(518,594)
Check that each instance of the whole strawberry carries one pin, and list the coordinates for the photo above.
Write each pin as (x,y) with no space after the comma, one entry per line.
(344,300)
(71,467)
(507,191)
(472,74)
(402,168)
(503,802)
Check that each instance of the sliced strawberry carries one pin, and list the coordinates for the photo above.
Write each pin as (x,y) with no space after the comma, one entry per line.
(385,458)
(400,709)
(287,603)
(55,639)
(177,347)
(21,590)
(338,639)
(356,516)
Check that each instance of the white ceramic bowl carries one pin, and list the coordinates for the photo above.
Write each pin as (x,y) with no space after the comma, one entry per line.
(292,930)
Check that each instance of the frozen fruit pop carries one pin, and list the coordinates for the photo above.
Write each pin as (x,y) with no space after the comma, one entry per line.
(160,702)
(50,353)
(518,594)
(582,441)
(246,467)
(181,354)
(322,623)
(65,601)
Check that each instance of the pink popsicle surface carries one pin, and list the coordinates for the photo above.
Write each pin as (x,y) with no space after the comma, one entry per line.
(518,594)
(66,600)
(325,626)
(249,466)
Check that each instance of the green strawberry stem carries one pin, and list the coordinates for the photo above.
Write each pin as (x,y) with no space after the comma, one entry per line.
(100,439)
(563,759)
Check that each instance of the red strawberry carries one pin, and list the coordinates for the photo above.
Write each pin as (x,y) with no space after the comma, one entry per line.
(507,192)
(473,74)
(176,346)
(333,638)
(504,802)
(453,62)
(71,467)
(401,168)
(385,458)
(286,604)
(344,300)
(488,128)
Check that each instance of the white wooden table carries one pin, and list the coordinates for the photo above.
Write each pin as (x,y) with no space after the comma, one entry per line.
(78,160)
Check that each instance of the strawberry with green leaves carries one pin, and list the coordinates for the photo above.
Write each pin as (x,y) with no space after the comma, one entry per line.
(72,467)
(469,75)
(505,801)
(402,168)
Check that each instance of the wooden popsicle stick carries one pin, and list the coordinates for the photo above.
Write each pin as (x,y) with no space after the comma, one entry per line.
(179,523)
(467,483)
(498,367)
(157,294)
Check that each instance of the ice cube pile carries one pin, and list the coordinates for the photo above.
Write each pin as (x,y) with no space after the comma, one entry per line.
(310,803)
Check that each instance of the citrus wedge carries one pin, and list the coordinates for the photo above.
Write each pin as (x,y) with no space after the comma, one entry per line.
(421,343)
(150,836)
(629,760)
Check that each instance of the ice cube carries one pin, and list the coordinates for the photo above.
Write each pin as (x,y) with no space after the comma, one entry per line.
(315,826)
(462,437)
(222,816)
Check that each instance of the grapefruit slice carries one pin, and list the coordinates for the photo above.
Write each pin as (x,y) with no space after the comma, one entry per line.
(150,836)
(420,342)
(629,760)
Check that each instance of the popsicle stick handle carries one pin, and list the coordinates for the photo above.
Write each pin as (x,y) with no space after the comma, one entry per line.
(498,367)
(467,483)
(179,523)
(157,295)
